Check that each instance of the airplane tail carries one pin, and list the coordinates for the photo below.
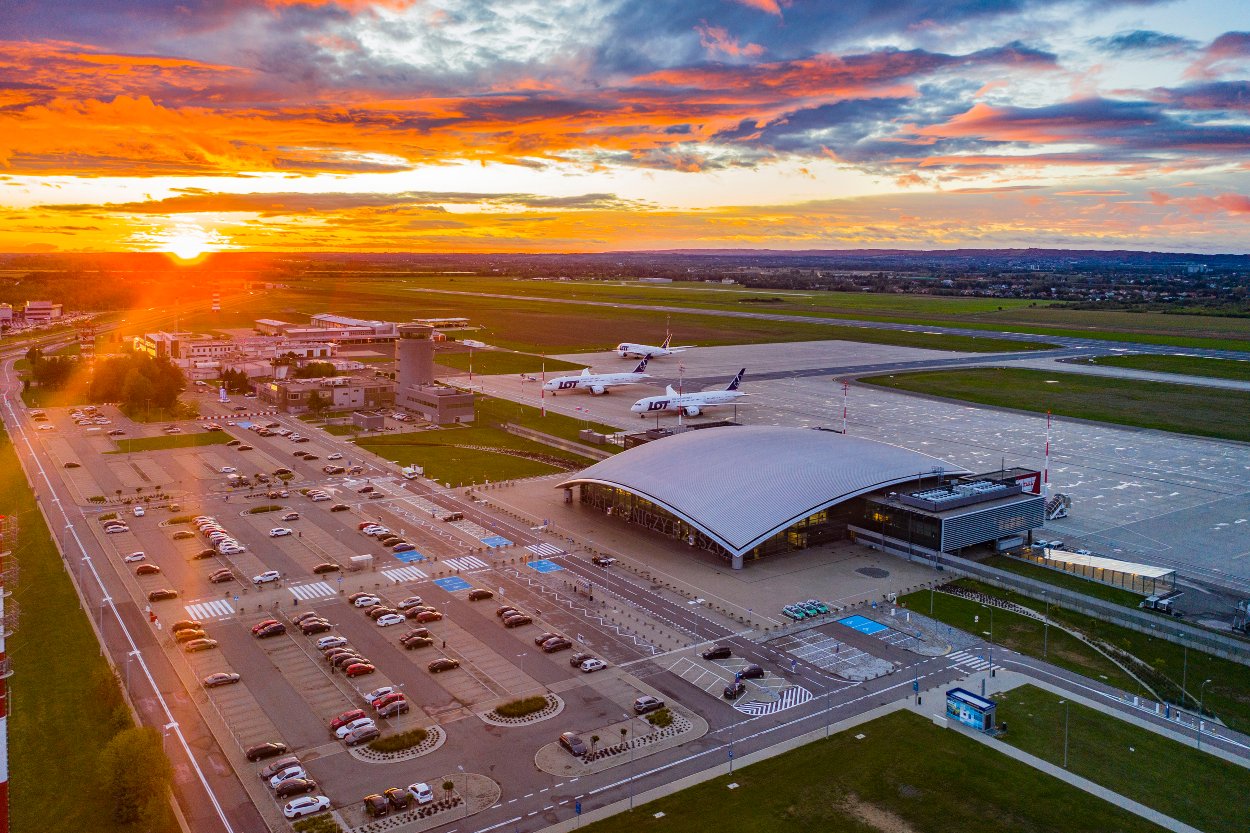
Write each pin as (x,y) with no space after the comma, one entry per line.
(668,390)
(737,380)
(642,365)
(667,338)
(585,371)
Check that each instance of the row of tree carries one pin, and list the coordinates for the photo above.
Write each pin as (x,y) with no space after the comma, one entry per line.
(136,380)
(50,371)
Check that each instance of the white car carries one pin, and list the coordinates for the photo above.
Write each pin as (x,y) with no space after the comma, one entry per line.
(46,427)
(421,793)
(388,619)
(292,771)
(139,512)
(592,664)
(199,519)
(377,531)
(279,531)
(229,470)
(411,601)
(335,456)
(305,805)
(379,693)
(347,728)
(318,496)
(367,601)
(330,642)
(266,577)
(116,528)
(133,557)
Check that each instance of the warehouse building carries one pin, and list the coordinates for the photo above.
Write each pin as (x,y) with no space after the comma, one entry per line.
(747,492)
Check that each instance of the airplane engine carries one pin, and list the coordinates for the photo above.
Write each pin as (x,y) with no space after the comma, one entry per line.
(598,389)
(692,410)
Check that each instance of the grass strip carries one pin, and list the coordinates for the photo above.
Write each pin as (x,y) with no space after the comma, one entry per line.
(399,742)
(1068,581)
(904,775)
(1197,788)
(500,362)
(1185,409)
(168,441)
(1186,365)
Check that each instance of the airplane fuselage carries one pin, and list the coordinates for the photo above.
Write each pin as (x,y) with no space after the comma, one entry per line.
(596,383)
(690,404)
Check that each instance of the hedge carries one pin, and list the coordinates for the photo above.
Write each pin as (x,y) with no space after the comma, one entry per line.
(268,507)
(400,742)
(522,707)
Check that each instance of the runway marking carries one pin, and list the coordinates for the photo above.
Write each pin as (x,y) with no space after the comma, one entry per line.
(209,610)
(402,574)
(315,590)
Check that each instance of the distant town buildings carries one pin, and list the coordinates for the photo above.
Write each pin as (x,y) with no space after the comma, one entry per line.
(204,357)
(38,312)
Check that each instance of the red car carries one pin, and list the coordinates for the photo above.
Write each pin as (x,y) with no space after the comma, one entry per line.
(359,669)
(386,700)
(429,616)
(345,718)
(260,626)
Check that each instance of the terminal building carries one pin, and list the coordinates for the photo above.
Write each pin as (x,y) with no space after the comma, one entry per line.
(748,492)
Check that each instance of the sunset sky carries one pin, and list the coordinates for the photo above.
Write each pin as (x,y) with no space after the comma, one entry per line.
(571,125)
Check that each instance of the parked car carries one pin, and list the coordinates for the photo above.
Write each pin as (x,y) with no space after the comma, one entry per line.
(411,601)
(398,798)
(274,767)
(390,619)
(262,624)
(354,597)
(116,528)
(367,601)
(751,672)
(820,606)
(394,709)
(291,771)
(478,594)
(334,456)
(573,743)
(147,570)
(444,664)
(276,629)
(196,645)
(221,678)
(300,618)
(330,642)
(266,577)
(291,516)
(184,625)
(578,658)
(735,689)
(543,637)
(345,718)
(505,610)
(517,621)
(205,554)
(280,532)
(718,652)
(552,646)
(139,512)
(360,736)
(220,576)
(265,750)
(647,704)
(339,507)
(188,635)
(592,664)
(306,806)
(411,643)
(314,626)
(422,632)
(294,786)
(359,669)
(347,728)
(403,546)
(377,806)
(326,567)
(162,595)
(429,616)
(421,793)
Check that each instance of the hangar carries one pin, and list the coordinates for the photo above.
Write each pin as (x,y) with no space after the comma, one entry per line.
(746,492)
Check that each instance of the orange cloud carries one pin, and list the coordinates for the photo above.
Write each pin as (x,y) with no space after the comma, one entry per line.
(718,39)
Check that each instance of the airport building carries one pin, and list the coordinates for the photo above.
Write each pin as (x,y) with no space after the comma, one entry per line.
(294,396)
(38,312)
(326,327)
(747,492)
(202,357)
(416,389)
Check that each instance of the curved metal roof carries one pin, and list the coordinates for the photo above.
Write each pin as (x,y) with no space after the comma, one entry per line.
(740,485)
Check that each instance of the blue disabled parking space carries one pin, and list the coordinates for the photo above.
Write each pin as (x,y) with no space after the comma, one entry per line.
(863,625)
(451,585)
(496,541)
(544,566)
(411,555)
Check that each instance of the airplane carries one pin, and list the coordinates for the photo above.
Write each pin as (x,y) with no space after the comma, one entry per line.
(690,404)
(646,351)
(597,383)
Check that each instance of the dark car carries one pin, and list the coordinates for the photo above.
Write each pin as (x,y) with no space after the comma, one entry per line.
(221,576)
(334,653)
(276,629)
(355,597)
(210,553)
(294,786)
(424,632)
(399,799)
(185,625)
(414,642)
(390,540)
(603,560)
(326,567)
(362,735)
(394,709)
(314,627)
(379,610)
(551,646)
(377,806)
(573,743)
(517,621)
(351,659)
(233,442)
(364,490)
(543,637)
(444,664)
(265,750)
(187,635)
(300,618)
(403,546)
(718,652)
(578,658)
(147,570)
(245,448)
(346,717)
(262,624)
(506,609)
(162,595)
(647,703)
(339,507)
(751,672)
(480,594)
(72,465)
(735,689)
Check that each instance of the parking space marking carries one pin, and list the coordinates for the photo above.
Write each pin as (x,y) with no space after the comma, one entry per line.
(402,574)
(467,562)
(543,566)
(546,550)
(316,590)
(409,557)
(699,676)
(210,610)
(452,584)
(493,541)
(790,697)
(820,650)
(863,624)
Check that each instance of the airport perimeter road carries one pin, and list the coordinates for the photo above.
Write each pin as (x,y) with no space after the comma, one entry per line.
(209,795)
(1059,341)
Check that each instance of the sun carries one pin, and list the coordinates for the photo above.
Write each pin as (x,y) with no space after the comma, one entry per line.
(187,246)
(186,242)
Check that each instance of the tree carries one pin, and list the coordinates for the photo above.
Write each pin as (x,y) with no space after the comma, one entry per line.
(315,370)
(448,786)
(134,775)
(317,403)
(236,381)
(594,740)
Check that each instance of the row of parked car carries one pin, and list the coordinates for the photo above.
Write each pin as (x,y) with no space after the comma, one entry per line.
(191,636)
(385,537)
(287,777)
(805,610)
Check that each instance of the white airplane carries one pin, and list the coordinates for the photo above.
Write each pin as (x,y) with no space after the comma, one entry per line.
(690,404)
(646,351)
(597,383)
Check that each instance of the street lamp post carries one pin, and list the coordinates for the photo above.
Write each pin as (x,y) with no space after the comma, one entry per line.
(1046,625)
(1201,691)
(732,726)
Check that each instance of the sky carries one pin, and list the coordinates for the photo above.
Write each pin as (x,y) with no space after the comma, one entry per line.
(580,125)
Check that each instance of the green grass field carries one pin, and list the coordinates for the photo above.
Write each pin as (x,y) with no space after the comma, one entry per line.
(500,362)
(1228,695)
(126,446)
(1192,786)
(494,411)
(1186,365)
(1185,409)
(62,733)
(905,776)
(1115,595)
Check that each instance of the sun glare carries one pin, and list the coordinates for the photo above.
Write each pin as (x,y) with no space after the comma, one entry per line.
(185,241)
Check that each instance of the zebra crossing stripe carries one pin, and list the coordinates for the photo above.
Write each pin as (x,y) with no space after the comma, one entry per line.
(316,590)
(400,574)
(209,610)
(467,562)
(545,549)
(791,697)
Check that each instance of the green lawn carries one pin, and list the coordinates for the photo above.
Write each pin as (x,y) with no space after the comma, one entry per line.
(1186,409)
(446,457)
(1192,786)
(341,430)
(494,411)
(1115,595)
(1187,365)
(501,362)
(905,776)
(125,446)
(62,733)
(1228,695)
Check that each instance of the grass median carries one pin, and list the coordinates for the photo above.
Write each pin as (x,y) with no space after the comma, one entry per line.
(1177,779)
(1067,581)
(126,446)
(899,773)
(468,456)
(1185,409)
(1185,365)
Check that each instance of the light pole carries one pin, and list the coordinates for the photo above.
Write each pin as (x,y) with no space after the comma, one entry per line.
(1065,732)
(624,735)
(1201,690)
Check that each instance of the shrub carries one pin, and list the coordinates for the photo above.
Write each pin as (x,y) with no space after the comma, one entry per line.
(521,708)
(107,516)
(660,718)
(285,477)
(268,507)
(180,519)
(400,742)
(323,823)
(97,499)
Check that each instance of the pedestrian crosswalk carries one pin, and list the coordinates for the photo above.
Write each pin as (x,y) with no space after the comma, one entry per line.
(316,590)
(467,562)
(971,662)
(545,550)
(402,574)
(209,610)
(787,699)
